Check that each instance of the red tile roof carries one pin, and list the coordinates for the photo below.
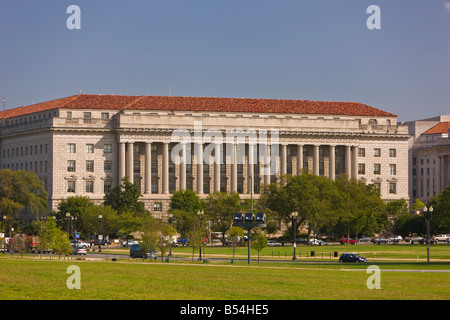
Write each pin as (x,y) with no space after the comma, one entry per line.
(442,127)
(117,102)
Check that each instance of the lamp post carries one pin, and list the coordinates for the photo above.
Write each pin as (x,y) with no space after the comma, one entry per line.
(100,237)
(200,214)
(4,235)
(427,219)
(294,216)
(171,238)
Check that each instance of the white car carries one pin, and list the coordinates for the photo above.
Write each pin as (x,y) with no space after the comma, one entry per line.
(273,243)
(316,242)
(396,238)
(442,238)
(130,242)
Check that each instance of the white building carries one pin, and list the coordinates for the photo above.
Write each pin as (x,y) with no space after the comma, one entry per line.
(429,157)
(84,144)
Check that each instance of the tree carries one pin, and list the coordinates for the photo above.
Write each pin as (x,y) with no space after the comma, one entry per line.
(197,234)
(61,244)
(441,212)
(21,190)
(91,224)
(235,234)
(125,198)
(397,211)
(75,206)
(149,234)
(220,208)
(184,206)
(260,241)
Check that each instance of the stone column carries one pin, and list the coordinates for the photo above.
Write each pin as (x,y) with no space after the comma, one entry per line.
(217,162)
(234,168)
(316,160)
(183,167)
(130,162)
(250,169)
(332,164)
(348,161)
(122,162)
(354,162)
(299,159)
(165,172)
(267,163)
(199,162)
(148,168)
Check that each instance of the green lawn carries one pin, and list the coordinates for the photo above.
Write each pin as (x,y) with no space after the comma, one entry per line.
(31,278)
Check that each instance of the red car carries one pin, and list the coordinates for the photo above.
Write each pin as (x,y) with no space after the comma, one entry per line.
(350,240)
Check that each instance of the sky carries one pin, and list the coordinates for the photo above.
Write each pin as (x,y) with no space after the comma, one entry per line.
(277,49)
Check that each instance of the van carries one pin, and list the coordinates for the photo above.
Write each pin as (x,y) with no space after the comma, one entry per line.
(135,252)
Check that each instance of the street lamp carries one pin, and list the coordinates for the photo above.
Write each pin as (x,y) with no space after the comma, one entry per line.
(200,214)
(4,235)
(294,216)
(100,237)
(171,238)
(427,219)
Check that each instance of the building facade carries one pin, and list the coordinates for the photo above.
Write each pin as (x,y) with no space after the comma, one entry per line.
(429,157)
(85,144)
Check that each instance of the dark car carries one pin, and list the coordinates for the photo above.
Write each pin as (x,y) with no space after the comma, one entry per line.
(183,241)
(380,240)
(425,241)
(135,252)
(351,257)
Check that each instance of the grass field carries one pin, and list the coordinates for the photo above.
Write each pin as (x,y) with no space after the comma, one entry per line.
(31,278)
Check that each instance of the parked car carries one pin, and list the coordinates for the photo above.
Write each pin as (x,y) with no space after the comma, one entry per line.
(78,251)
(442,238)
(350,240)
(380,240)
(272,243)
(316,242)
(416,239)
(129,243)
(182,241)
(351,257)
(302,241)
(135,252)
(396,239)
(425,241)
(364,239)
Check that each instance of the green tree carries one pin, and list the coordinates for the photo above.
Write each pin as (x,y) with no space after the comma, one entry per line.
(149,236)
(125,198)
(440,222)
(260,241)
(220,208)
(75,206)
(235,235)
(184,205)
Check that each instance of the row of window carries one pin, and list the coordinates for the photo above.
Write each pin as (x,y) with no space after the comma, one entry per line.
(24,151)
(88,186)
(72,148)
(72,166)
(377,152)
(38,167)
(377,168)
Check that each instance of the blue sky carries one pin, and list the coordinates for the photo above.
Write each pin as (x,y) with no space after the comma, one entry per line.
(283,49)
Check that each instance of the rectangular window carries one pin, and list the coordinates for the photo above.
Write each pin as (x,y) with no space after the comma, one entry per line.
(89,186)
(392,153)
(89,165)
(105,115)
(107,148)
(392,169)
(392,188)
(361,168)
(154,166)
(157,207)
(136,166)
(377,168)
(71,186)
(71,166)
(107,166)
(377,152)
(89,148)
(361,152)
(69,114)
(86,115)
(107,186)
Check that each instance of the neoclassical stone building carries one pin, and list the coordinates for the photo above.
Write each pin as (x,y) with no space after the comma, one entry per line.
(84,144)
